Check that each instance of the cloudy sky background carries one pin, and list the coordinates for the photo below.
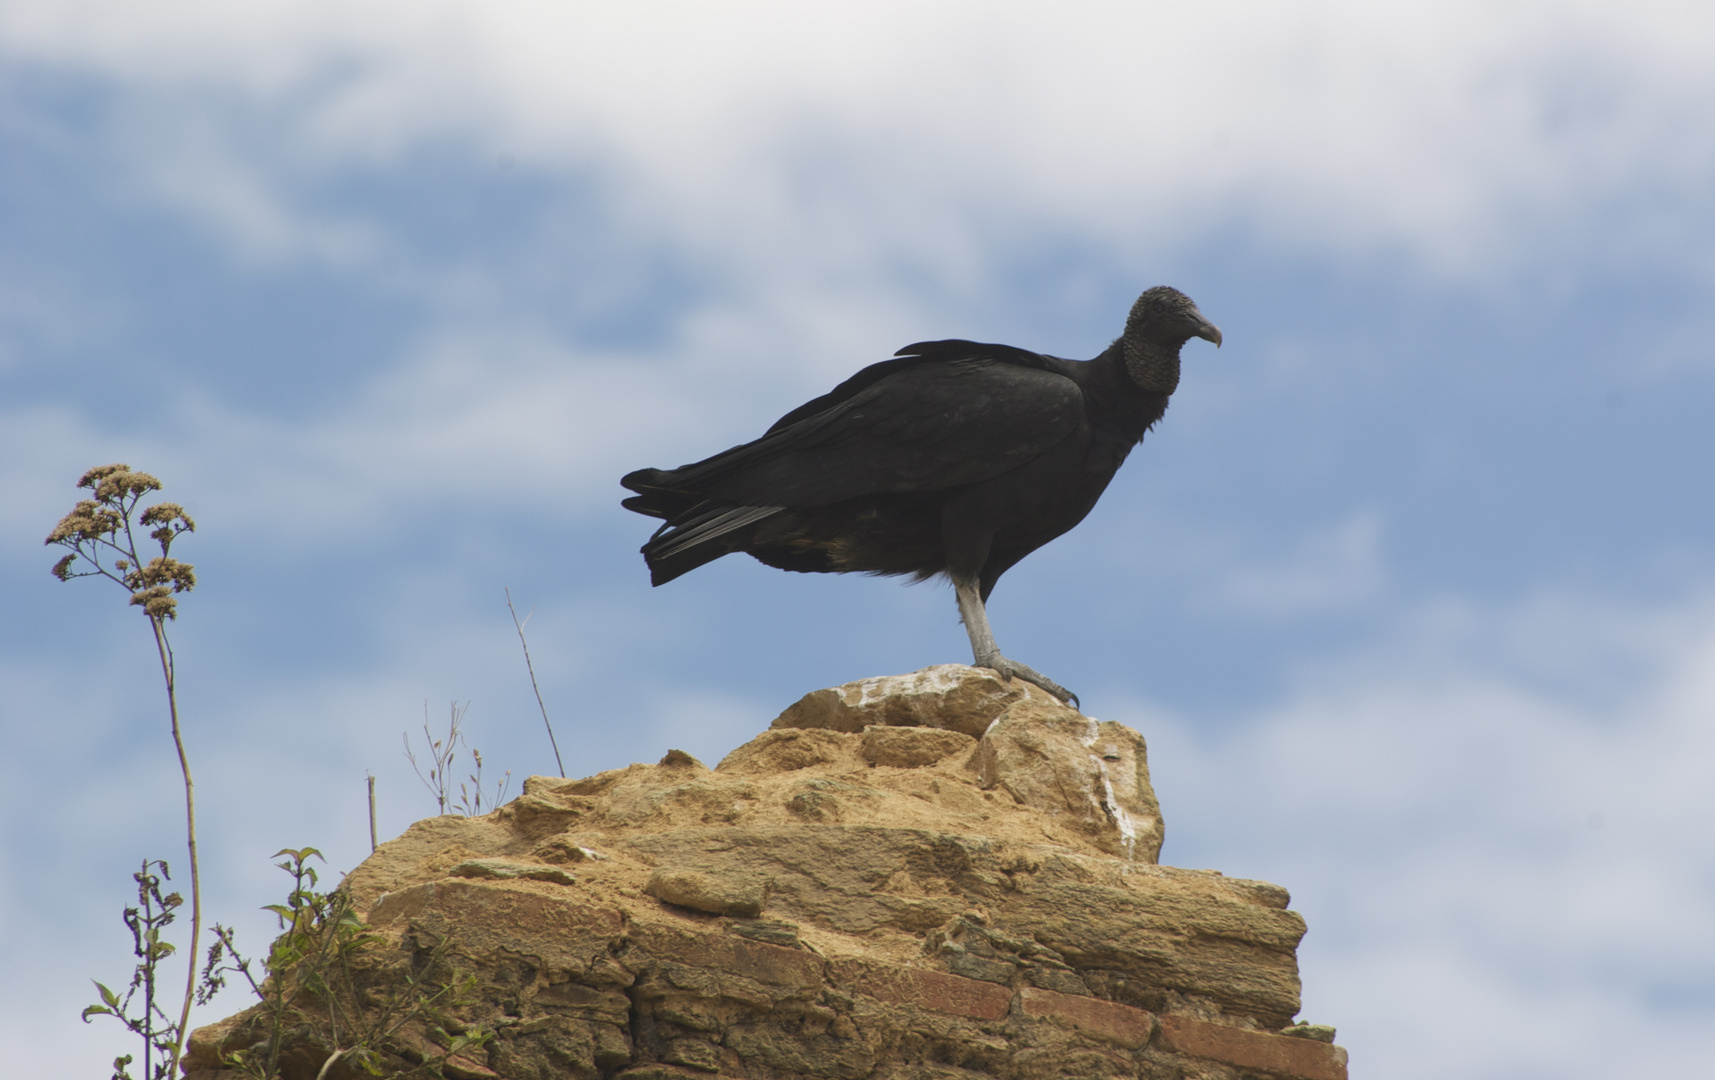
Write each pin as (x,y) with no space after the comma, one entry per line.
(1413,591)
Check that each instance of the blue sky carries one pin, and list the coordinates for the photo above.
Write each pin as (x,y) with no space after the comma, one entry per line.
(1412,592)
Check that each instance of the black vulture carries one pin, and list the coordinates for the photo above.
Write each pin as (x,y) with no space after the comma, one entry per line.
(952,458)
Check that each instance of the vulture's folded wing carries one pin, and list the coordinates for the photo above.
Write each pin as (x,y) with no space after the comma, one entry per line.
(925,426)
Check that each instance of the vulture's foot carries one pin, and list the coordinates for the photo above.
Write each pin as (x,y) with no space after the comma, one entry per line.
(1009,668)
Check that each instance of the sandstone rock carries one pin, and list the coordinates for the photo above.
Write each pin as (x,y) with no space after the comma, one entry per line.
(786,751)
(950,696)
(742,895)
(1055,759)
(1274,1054)
(972,896)
(561,851)
(505,868)
(912,747)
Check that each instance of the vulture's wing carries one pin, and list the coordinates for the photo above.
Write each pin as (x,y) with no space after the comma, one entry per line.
(950,414)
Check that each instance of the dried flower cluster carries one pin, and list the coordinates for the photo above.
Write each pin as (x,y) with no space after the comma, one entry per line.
(104,524)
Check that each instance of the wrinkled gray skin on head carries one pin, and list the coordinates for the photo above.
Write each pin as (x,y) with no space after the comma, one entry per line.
(1162,320)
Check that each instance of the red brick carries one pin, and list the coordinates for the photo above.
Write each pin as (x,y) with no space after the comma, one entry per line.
(923,988)
(1104,1019)
(1302,1059)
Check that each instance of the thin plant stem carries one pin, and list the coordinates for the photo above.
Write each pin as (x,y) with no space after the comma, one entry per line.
(372,844)
(532,669)
(329,1063)
(165,650)
(95,525)
(149,976)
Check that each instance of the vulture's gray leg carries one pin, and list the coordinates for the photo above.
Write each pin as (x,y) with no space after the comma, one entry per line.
(987,653)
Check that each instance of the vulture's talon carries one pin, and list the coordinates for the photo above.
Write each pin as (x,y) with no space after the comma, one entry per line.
(1006,669)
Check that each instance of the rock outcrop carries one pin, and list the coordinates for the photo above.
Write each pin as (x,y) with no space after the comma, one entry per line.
(924,877)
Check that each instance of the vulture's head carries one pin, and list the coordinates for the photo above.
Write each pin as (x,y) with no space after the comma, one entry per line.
(1161,321)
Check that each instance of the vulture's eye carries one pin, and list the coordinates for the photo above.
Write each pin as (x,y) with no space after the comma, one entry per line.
(1159,307)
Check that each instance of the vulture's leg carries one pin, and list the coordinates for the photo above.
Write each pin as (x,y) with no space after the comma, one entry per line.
(987,653)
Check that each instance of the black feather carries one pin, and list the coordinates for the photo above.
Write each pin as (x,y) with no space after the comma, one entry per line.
(953,457)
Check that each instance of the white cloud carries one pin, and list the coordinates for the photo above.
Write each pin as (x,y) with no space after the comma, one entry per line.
(836,136)
(198,168)
(803,155)
(1495,875)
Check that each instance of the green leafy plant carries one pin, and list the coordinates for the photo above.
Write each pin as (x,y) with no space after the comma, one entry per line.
(101,534)
(160,1034)
(325,981)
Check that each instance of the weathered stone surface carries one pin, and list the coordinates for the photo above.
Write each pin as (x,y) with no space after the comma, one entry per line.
(506,868)
(1276,1054)
(661,1072)
(739,894)
(202,1054)
(1055,759)
(561,851)
(771,965)
(787,751)
(1105,1019)
(487,921)
(768,931)
(950,696)
(845,896)
(912,747)
(922,988)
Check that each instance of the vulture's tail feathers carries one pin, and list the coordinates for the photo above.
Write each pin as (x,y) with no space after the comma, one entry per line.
(680,547)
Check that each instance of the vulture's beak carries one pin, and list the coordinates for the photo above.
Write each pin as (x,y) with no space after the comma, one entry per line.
(1205,329)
